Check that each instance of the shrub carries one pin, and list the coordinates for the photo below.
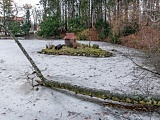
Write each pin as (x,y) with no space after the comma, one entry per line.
(76,25)
(83,35)
(130,28)
(115,38)
(103,28)
(49,27)
(16,28)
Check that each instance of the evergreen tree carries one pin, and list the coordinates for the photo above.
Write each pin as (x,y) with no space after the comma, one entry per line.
(6,12)
(27,24)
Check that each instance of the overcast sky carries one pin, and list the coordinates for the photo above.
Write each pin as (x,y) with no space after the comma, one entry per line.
(22,2)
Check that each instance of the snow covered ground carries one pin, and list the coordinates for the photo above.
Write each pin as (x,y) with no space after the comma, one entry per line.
(19,101)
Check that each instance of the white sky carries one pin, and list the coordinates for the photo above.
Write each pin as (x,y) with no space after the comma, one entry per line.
(32,2)
(20,3)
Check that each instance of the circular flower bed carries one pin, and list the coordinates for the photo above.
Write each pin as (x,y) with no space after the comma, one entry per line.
(81,50)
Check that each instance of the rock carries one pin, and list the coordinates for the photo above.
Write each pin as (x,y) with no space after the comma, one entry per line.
(95,46)
(58,47)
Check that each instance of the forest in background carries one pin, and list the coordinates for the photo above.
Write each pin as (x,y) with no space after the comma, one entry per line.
(112,19)
(130,22)
(133,23)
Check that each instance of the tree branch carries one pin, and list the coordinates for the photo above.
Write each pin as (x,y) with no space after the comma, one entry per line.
(151,71)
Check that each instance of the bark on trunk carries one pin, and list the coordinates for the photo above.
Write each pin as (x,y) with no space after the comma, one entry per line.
(137,102)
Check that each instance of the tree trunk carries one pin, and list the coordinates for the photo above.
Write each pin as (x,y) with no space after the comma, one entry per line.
(45,9)
(99,11)
(157,9)
(90,13)
(105,11)
(138,102)
(134,10)
(66,19)
(125,11)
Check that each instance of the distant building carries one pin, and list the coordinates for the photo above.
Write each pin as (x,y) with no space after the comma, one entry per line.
(17,19)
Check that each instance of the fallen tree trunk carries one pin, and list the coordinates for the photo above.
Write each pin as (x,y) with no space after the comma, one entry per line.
(134,101)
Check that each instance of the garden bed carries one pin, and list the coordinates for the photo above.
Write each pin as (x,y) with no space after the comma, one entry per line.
(81,50)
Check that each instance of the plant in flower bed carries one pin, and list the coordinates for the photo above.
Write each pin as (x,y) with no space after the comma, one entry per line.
(81,50)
